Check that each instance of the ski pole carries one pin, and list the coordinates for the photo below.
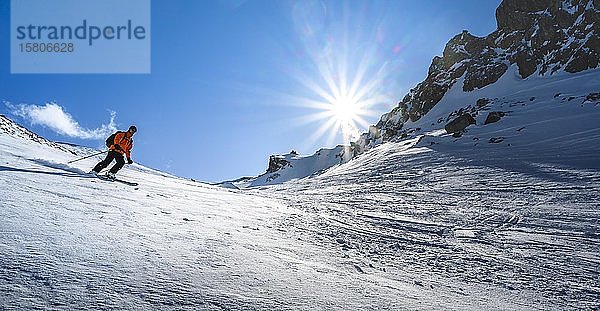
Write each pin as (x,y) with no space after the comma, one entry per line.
(95,154)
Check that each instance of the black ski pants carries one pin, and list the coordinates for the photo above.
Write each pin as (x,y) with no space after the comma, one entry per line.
(112,155)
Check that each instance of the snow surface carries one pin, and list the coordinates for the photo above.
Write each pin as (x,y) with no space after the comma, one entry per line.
(506,234)
(510,207)
(71,241)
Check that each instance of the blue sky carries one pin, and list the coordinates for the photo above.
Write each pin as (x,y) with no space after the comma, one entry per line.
(234,81)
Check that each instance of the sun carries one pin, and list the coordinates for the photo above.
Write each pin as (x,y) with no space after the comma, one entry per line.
(345,110)
(342,107)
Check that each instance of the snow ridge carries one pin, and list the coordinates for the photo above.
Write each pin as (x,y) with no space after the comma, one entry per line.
(291,166)
(11,128)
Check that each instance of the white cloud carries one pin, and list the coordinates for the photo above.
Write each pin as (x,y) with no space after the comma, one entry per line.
(54,117)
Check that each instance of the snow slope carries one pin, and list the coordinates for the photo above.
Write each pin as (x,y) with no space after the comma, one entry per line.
(554,118)
(527,232)
(511,205)
(69,241)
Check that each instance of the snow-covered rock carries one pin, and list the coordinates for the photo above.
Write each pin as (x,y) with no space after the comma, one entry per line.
(291,166)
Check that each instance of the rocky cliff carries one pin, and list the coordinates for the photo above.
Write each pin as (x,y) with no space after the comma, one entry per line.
(540,37)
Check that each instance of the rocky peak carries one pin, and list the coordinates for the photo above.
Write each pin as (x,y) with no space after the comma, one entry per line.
(538,36)
(461,47)
(519,14)
(548,36)
(276,163)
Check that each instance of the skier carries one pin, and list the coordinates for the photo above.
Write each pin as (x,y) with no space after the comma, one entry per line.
(121,144)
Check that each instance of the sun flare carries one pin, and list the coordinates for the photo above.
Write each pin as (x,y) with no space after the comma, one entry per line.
(343,74)
(344,110)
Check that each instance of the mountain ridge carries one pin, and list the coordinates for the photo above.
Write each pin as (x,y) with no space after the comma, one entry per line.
(556,39)
(541,38)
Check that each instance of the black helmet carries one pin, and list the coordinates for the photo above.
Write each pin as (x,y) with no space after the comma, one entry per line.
(133,129)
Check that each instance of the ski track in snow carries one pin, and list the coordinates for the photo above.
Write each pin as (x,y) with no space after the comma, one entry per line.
(71,242)
(430,231)
(527,228)
(509,225)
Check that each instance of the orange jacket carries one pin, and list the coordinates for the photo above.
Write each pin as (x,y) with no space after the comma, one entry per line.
(124,140)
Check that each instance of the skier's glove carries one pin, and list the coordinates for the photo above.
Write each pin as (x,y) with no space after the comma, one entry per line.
(129,161)
(117,147)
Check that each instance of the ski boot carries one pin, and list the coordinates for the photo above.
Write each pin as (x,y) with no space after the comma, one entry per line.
(111,176)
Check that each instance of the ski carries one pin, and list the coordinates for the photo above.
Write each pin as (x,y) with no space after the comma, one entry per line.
(129,183)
